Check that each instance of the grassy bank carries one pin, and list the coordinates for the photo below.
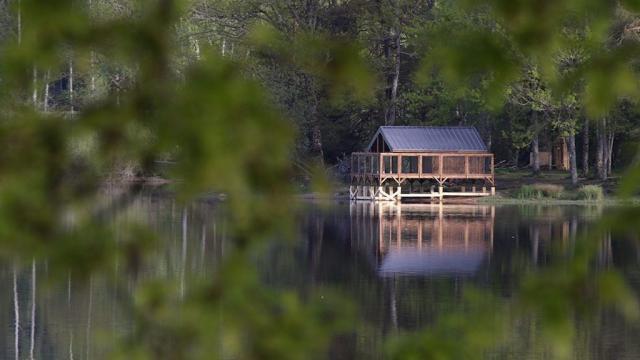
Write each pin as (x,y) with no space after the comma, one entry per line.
(553,187)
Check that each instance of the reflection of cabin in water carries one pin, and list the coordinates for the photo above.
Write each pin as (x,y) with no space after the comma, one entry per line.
(422,240)
(419,157)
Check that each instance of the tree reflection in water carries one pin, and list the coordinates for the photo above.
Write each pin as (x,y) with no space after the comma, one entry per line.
(401,266)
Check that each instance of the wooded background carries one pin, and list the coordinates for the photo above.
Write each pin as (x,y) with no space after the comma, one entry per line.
(402,44)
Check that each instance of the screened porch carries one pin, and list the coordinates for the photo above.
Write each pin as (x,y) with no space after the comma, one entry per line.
(439,166)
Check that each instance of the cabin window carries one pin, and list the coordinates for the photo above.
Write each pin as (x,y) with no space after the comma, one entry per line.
(390,164)
(375,164)
(476,165)
(362,163)
(487,165)
(429,164)
(453,165)
(480,165)
(410,164)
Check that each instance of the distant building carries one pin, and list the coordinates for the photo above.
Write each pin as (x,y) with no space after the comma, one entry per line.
(554,155)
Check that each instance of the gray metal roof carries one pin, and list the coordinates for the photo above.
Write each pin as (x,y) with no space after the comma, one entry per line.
(431,138)
(431,262)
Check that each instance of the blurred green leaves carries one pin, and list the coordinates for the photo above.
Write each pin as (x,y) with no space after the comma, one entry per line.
(224,135)
(496,40)
(335,61)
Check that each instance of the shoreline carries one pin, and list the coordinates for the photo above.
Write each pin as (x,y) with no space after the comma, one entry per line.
(490,200)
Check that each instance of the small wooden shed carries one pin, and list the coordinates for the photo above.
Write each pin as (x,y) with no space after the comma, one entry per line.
(553,156)
(441,155)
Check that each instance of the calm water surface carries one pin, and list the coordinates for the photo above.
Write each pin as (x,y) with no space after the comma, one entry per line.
(401,266)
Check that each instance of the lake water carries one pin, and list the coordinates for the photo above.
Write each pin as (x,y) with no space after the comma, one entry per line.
(402,266)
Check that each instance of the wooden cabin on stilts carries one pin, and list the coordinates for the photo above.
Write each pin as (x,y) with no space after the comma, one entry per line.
(431,162)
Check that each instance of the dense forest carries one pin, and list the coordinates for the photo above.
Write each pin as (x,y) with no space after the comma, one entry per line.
(400,42)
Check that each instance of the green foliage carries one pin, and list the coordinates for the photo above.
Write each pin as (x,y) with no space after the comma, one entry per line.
(528,192)
(224,134)
(590,193)
(539,191)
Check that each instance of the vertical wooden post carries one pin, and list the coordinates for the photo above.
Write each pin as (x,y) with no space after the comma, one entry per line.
(493,216)
(380,230)
(398,230)
(440,225)
(493,176)
(419,166)
(380,169)
(466,166)
(466,235)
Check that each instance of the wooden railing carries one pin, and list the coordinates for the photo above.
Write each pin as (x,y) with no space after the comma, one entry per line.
(423,165)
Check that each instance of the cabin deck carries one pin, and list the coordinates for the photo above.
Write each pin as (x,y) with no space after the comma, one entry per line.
(380,176)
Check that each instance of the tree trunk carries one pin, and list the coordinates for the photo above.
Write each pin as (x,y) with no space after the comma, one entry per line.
(516,157)
(185,227)
(585,148)
(391,52)
(316,142)
(34,96)
(573,167)
(16,313)
(535,149)
(386,48)
(45,100)
(71,85)
(605,152)
(600,151)
(535,145)
(196,46)
(393,96)
(19,22)
(315,135)
(32,332)
(93,73)
(88,329)
(117,84)
(93,59)
(610,152)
